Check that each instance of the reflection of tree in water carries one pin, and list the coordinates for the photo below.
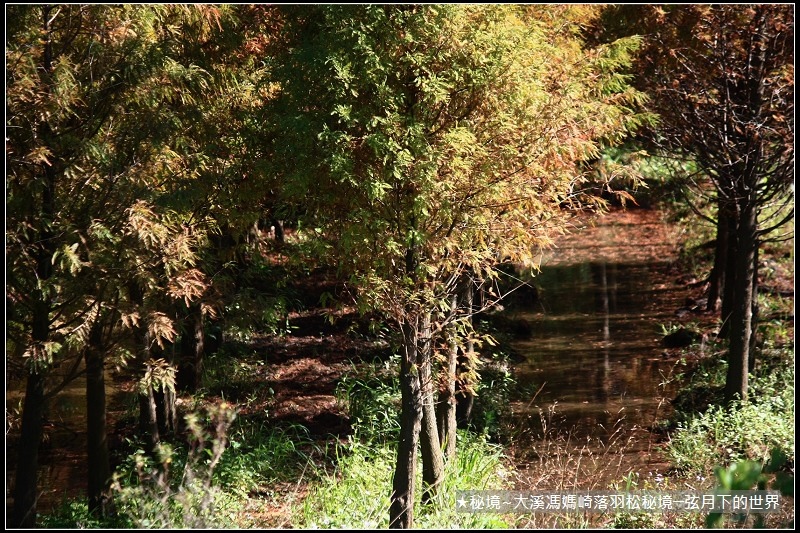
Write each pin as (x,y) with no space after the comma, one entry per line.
(593,343)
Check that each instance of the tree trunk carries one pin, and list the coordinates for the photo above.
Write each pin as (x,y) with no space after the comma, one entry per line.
(751,365)
(729,288)
(148,418)
(164,397)
(278,230)
(148,414)
(99,467)
(465,399)
(166,411)
(432,458)
(447,393)
(401,511)
(741,323)
(25,488)
(190,373)
(716,280)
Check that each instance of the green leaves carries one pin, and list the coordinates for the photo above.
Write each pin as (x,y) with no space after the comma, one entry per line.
(450,134)
(67,258)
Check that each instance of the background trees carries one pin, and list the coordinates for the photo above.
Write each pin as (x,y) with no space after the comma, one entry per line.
(70,72)
(432,143)
(108,188)
(722,80)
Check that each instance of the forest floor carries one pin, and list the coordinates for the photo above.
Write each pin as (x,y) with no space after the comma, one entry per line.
(304,366)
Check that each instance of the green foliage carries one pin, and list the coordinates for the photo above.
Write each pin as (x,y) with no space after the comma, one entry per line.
(650,520)
(493,394)
(231,374)
(356,494)
(74,514)
(260,456)
(372,400)
(159,375)
(452,132)
(205,483)
(747,430)
(178,490)
(749,475)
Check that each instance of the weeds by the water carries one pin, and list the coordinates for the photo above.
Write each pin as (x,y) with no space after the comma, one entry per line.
(356,495)
(207,482)
(561,461)
(745,430)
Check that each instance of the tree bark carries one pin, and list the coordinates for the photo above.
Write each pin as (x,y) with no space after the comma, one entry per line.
(190,373)
(148,414)
(729,288)
(465,399)
(751,365)
(447,393)
(401,510)
(148,418)
(99,467)
(167,414)
(741,323)
(25,488)
(716,280)
(278,230)
(432,458)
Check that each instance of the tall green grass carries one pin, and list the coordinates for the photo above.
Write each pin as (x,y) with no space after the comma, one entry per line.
(746,430)
(356,494)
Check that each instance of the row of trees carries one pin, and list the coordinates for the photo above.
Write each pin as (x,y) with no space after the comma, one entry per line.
(123,128)
(722,80)
(418,147)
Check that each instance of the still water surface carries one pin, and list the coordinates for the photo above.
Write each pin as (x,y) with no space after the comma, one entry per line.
(594,365)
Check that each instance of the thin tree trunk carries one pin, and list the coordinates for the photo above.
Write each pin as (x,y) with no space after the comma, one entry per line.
(99,467)
(729,288)
(167,415)
(199,348)
(190,372)
(716,280)
(165,396)
(148,418)
(401,511)
(751,365)
(447,394)
(148,413)
(432,458)
(278,230)
(741,322)
(465,399)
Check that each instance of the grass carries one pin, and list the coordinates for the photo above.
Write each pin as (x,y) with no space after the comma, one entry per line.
(356,494)
(746,430)
(206,482)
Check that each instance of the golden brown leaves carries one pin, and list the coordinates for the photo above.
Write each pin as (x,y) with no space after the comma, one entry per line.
(189,285)
(160,328)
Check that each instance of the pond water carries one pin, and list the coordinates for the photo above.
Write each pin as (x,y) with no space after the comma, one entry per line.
(594,368)
(62,455)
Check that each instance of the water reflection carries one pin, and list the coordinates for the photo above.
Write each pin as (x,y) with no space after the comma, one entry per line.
(62,456)
(595,351)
